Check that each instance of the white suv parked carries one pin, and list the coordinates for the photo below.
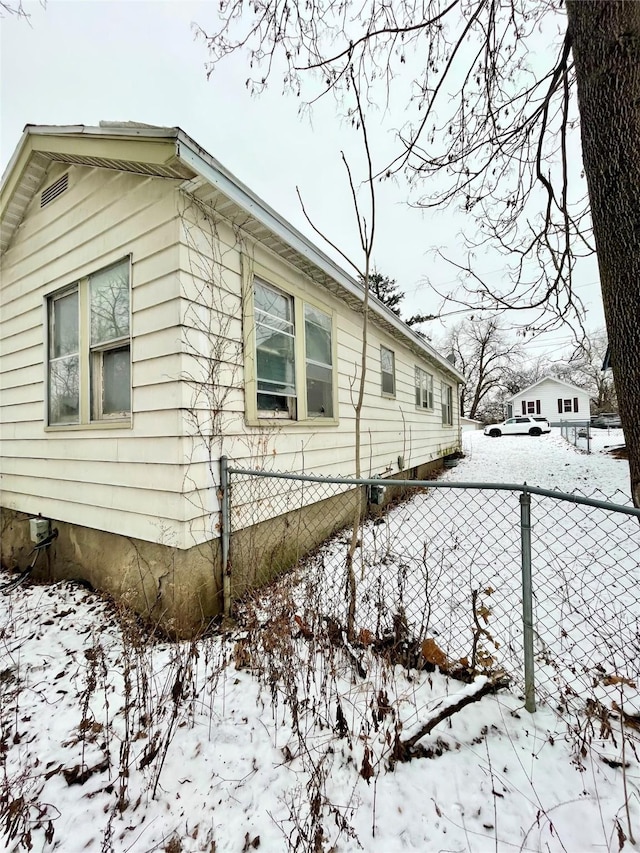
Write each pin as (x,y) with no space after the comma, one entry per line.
(521,425)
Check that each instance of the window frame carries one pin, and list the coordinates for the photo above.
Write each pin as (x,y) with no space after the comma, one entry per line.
(315,363)
(290,409)
(423,395)
(531,407)
(90,357)
(392,374)
(568,405)
(446,400)
(300,297)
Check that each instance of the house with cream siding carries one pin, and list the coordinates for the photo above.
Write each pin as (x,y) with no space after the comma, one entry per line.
(556,400)
(157,315)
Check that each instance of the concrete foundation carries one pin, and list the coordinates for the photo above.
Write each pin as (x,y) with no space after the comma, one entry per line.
(180,591)
(261,552)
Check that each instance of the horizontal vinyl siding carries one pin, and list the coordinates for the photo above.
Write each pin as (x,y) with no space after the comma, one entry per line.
(122,480)
(138,525)
(549,392)
(391,428)
(212,387)
(146,425)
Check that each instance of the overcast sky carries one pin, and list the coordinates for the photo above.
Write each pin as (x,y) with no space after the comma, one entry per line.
(80,62)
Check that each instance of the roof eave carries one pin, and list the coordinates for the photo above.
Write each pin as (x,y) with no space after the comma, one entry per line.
(201,162)
(544,379)
(216,174)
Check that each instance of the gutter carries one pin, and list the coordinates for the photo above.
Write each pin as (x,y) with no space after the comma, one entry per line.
(201,162)
(218,176)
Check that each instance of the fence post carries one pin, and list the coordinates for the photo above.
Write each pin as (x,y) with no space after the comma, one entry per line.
(225,534)
(527,601)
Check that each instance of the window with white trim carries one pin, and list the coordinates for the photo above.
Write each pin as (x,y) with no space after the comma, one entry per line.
(531,407)
(424,389)
(388,371)
(570,405)
(447,404)
(89,349)
(293,350)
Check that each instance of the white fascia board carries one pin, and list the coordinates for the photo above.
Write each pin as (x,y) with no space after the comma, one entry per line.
(106,130)
(84,130)
(14,158)
(216,174)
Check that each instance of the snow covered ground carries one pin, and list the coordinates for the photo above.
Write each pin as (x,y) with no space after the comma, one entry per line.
(269,738)
(549,462)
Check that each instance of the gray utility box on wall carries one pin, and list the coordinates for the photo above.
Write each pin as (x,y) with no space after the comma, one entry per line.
(39,529)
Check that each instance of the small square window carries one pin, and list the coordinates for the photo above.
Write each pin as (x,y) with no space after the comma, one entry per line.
(388,371)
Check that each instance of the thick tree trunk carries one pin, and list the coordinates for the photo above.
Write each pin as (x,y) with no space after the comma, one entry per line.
(606,51)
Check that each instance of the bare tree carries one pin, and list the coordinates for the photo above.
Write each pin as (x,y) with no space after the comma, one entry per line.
(366,234)
(519,376)
(583,367)
(488,126)
(484,352)
(16,9)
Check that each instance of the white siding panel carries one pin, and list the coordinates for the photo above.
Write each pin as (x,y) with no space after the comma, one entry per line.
(22,393)
(159,343)
(124,480)
(156,476)
(391,428)
(548,392)
(161,505)
(21,321)
(156,371)
(23,376)
(109,519)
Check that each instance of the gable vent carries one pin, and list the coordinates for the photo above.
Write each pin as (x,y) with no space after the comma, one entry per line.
(52,192)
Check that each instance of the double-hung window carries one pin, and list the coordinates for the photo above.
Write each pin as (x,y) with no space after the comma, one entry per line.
(64,357)
(424,389)
(275,351)
(447,404)
(388,371)
(319,358)
(294,351)
(89,349)
(570,405)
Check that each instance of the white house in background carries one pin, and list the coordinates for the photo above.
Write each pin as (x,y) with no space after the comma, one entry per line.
(157,315)
(556,400)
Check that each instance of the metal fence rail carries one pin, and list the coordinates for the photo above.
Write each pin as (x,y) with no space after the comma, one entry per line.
(578,434)
(488,575)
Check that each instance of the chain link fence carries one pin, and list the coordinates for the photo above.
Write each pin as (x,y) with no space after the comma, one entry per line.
(577,434)
(440,574)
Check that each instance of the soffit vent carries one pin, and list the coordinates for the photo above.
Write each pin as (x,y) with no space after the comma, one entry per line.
(54,190)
